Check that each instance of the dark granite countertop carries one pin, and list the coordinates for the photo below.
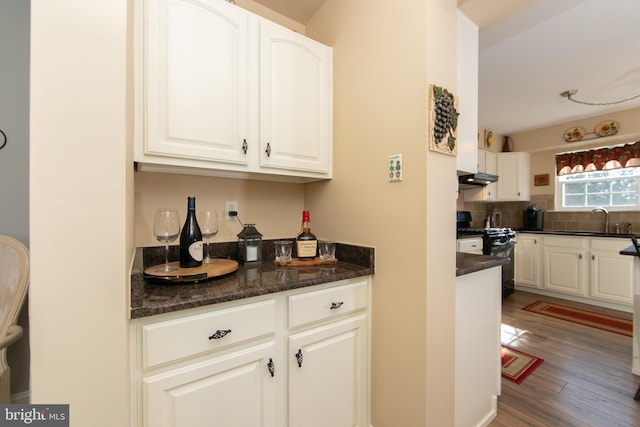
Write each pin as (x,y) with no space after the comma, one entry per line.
(149,298)
(631,250)
(470,263)
(578,233)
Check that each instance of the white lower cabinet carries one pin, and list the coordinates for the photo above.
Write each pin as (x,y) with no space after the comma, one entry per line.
(297,358)
(564,264)
(527,260)
(611,275)
(471,245)
(326,386)
(232,390)
(585,269)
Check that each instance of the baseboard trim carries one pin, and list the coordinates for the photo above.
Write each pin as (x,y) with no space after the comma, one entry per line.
(21,398)
(576,298)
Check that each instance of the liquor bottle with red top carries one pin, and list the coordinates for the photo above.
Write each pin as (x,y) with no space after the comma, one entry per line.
(306,242)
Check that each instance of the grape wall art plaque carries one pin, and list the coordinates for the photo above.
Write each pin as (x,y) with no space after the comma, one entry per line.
(443,120)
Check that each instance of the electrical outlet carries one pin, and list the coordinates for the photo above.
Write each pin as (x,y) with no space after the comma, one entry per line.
(232,205)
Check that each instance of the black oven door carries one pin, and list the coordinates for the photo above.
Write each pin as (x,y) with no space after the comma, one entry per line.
(505,250)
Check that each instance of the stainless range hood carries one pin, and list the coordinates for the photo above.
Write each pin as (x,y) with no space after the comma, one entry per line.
(476,180)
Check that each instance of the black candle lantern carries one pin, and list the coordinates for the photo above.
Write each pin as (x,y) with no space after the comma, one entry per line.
(249,245)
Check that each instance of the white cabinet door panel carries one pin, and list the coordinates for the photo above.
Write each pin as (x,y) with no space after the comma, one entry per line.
(295,93)
(195,100)
(230,391)
(564,270)
(329,387)
(611,277)
(527,260)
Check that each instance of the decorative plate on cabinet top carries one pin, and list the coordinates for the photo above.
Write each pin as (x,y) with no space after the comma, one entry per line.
(608,128)
(574,134)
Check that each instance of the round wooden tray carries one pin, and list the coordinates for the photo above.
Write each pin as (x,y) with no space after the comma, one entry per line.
(219,267)
(297,262)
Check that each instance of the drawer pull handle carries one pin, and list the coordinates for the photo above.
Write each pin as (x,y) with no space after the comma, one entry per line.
(245,146)
(336,305)
(219,334)
(299,357)
(271,367)
(268,150)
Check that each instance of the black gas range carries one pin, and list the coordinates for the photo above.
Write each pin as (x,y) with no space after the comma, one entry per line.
(496,241)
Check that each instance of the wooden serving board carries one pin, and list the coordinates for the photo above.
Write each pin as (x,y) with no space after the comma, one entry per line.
(219,267)
(297,262)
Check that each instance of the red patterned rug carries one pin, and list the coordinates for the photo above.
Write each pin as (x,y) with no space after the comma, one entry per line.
(605,322)
(516,365)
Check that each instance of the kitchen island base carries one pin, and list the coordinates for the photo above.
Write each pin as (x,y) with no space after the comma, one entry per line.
(477,355)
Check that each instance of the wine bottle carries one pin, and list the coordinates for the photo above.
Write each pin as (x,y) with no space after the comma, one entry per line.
(191,239)
(306,242)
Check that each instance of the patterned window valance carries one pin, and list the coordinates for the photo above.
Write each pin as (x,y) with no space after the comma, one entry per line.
(623,156)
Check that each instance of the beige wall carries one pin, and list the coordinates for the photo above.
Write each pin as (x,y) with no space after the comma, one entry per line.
(275,208)
(385,56)
(265,12)
(81,213)
(545,143)
(81,209)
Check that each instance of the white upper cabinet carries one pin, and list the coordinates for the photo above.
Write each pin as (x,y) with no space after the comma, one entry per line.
(223,92)
(487,163)
(194,85)
(467,94)
(295,94)
(513,176)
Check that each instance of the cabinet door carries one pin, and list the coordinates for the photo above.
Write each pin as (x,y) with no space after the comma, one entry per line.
(611,276)
(295,96)
(508,183)
(329,385)
(564,270)
(193,82)
(236,390)
(513,176)
(527,260)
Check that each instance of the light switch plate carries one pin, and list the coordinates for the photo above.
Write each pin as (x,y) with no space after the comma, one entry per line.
(395,168)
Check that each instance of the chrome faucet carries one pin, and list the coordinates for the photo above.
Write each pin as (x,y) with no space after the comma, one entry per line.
(606,217)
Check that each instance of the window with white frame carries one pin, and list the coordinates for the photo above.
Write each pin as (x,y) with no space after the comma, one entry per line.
(601,177)
(614,189)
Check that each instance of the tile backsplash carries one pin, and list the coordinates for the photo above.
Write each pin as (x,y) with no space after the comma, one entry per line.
(562,221)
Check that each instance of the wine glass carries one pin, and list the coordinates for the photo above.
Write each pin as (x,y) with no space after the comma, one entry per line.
(166,228)
(208,222)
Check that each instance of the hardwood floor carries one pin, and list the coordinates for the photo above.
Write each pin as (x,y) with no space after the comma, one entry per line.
(585,379)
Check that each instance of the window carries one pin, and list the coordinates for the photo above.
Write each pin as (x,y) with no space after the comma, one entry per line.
(615,189)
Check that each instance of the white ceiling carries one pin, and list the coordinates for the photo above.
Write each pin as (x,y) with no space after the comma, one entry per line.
(529,58)
(531,51)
